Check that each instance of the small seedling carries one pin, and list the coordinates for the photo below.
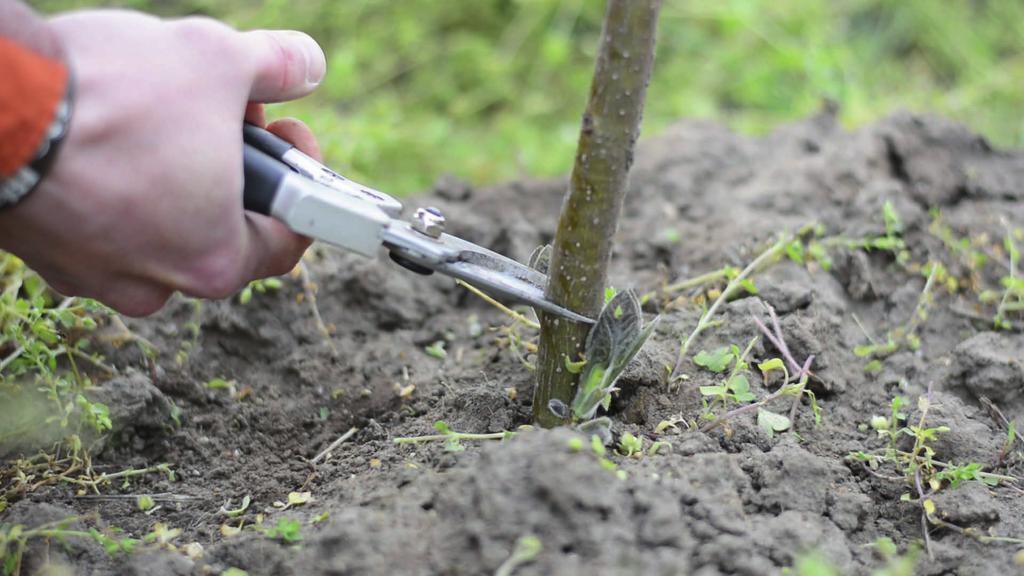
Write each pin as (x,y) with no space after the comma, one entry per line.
(235,512)
(736,387)
(289,531)
(436,350)
(772,422)
(671,423)
(258,287)
(527,548)
(657,447)
(598,448)
(145,502)
(717,361)
(294,499)
(630,445)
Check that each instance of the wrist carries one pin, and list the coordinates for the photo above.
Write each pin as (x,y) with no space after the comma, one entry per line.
(35,100)
(18,185)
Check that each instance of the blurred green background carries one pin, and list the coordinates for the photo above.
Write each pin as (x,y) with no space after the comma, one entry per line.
(490,90)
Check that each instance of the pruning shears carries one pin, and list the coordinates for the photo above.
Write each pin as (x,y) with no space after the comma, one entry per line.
(315,201)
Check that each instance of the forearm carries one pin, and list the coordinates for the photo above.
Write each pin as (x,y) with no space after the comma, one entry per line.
(33,99)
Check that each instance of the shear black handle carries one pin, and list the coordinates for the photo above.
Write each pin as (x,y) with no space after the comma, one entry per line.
(264,170)
(263,178)
(265,140)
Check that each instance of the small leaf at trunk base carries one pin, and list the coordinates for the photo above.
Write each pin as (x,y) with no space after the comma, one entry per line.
(613,341)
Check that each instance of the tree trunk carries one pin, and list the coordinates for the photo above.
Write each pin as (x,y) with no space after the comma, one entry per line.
(583,242)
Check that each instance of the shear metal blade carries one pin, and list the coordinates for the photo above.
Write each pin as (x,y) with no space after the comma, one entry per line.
(489,271)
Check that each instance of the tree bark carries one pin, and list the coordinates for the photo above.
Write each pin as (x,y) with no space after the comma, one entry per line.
(583,241)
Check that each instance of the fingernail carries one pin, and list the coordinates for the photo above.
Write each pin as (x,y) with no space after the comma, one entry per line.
(316,62)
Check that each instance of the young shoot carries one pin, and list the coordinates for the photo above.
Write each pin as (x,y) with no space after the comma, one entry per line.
(615,339)
(735,388)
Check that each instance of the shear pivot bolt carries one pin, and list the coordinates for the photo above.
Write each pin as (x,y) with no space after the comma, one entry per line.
(428,221)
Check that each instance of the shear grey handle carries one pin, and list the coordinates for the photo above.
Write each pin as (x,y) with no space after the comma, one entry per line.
(296,161)
(275,187)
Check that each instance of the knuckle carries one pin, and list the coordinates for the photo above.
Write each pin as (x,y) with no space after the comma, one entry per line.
(217,275)
(207,35)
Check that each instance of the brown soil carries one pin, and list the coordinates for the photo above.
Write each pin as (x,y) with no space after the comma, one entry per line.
(730,501)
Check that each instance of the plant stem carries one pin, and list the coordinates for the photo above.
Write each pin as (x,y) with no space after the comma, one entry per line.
(456,435)
(309,290)
(1004,301)
(733,285)
(326,451)
(924,512)
(694,282)
(508,311)
(586,227)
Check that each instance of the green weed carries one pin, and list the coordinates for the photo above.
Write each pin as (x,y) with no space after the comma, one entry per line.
(918,469)
(289,531)
(14,541)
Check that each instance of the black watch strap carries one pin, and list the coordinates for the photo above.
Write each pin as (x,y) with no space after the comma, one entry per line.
(24,180)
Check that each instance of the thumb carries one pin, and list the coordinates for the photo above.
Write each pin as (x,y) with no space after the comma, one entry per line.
(287,64)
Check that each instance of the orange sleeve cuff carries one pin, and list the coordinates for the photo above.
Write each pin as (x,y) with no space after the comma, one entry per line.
(30,93)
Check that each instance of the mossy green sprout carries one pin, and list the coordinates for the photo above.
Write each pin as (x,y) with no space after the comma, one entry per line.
(145,502)
(437,350)
(630,445)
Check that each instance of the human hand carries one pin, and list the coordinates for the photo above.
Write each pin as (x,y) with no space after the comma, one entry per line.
(145,197)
